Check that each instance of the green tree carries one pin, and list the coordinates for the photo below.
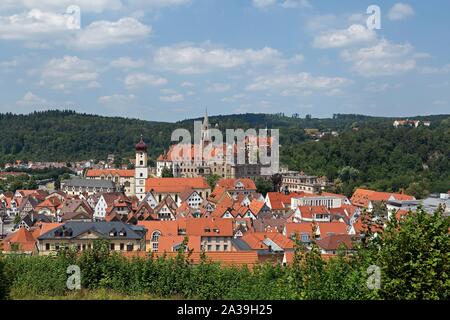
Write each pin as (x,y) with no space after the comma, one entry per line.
(3,280)
(263,186)
(212,180)
(167,173)
(414,257)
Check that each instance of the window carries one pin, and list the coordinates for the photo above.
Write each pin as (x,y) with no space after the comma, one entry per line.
(209,247)
(225,247)
(155,236)
(155,246)
(112,247)
(305,237)
(47,246)
(122,247)
(129,247)
(218,247)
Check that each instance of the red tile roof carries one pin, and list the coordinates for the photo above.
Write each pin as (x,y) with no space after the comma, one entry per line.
(174,185)
(333,242)
(23,238)
(255,240)
(167,228)
(230,184)
(334,227)
(208,227)
(113,172)
(282,201)
(362,197)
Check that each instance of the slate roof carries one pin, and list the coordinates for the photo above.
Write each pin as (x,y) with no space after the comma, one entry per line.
(89,183)
(73,229)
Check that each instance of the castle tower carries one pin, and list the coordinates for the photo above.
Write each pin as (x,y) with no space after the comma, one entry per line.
(140,169)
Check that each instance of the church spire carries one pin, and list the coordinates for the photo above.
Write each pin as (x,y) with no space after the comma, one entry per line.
(205,119)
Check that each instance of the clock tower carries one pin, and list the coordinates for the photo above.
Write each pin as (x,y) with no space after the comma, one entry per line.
(140,169)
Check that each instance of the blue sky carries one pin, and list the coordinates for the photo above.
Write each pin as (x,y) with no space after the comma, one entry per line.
(168,60)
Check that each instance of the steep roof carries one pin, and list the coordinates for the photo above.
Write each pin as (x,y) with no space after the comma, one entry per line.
(282,201)
(174,185)
(167,228)
(334,227)
(232,184)
(333,242)
(208,227)
(94,173)
(23,238)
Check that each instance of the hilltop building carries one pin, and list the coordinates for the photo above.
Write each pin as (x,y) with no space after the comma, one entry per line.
(220,160)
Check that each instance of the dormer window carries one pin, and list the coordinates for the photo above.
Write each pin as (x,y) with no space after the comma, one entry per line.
(113,233)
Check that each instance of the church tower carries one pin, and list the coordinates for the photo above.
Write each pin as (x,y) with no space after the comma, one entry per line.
(206,134)
(140,169)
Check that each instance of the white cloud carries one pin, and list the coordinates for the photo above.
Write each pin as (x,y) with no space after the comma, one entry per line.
(296,4)
(188,59)
(376,87)
(320,22)
(60,5)
(41,29)
(172,98)
(30,99)
(100,34)
(187,84)
(157,3)
(234,97)
(218,87)
(400,11)
(355,34)
(127,63)
(296,81)
(68,70)
(116,99)
(94,84)
(32,25)
(264,4)
(436,70)
(382,59)
(143,79)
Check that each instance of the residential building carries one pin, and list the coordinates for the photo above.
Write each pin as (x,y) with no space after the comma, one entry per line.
(81,235)
(77,186)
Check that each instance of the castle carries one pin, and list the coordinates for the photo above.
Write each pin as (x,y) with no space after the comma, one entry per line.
(133,181)
(220,159)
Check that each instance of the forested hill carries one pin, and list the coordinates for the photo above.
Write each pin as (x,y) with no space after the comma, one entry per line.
(367,151)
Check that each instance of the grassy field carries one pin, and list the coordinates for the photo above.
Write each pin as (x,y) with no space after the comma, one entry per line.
(100,294)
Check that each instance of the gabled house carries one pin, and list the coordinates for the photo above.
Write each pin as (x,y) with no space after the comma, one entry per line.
(27,205)
(216,234)
(280,202)
(191,197)
(166,209)
(311,214)
(236,187)
(151,200)
(331,244)
(109,202)
(50,206)
(20,241)
(365,198)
